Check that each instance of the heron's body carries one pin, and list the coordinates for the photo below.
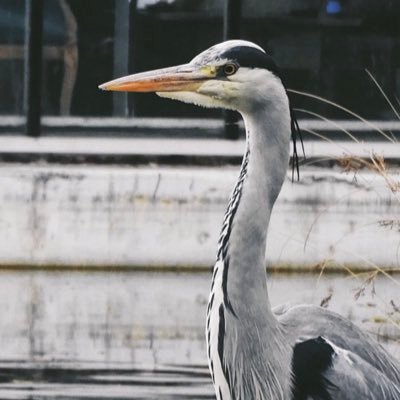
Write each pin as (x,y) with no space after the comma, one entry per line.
(299,353)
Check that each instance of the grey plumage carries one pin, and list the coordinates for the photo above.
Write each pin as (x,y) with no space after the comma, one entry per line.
(294,353)
(257,357)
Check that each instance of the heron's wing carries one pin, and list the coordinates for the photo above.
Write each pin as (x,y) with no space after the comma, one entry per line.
(311,322)
(324,371)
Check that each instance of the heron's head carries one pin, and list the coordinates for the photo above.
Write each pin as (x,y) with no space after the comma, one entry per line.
(235,75)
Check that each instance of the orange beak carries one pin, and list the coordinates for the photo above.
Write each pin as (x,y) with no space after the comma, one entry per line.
(183,78)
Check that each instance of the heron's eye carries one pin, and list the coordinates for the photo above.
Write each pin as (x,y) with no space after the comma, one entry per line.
(230,69)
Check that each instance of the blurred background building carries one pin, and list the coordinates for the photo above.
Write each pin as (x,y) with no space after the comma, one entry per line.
(323,46)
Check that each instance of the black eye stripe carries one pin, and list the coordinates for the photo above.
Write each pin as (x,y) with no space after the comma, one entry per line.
(251,57)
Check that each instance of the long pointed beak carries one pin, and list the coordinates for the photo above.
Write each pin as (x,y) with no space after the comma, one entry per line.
(174,79)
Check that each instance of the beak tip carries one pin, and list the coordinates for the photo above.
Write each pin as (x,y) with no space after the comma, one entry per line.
(103,86)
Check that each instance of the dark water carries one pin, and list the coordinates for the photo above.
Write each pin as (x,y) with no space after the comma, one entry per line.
(137,335)
(167,383)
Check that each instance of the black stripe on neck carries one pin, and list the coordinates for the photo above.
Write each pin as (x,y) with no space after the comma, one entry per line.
(221,339)
(227,302)
(232,208)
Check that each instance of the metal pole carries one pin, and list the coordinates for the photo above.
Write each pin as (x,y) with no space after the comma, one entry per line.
(33,66)
(232,16)
(132,56)
(121,54)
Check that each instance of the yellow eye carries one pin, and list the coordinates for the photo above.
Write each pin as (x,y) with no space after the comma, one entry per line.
(230,69)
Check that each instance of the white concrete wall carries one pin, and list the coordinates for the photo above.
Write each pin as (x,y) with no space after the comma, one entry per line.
(149,319)
(169,216)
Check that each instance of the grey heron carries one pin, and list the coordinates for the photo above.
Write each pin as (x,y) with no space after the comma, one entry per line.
(254,352)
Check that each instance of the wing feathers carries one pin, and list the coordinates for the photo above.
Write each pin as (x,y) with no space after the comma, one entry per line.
(324,371)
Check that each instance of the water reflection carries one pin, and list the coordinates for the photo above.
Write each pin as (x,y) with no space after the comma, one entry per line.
(189,383)
(137,335)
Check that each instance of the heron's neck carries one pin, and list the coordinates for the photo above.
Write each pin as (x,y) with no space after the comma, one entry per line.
(263,172)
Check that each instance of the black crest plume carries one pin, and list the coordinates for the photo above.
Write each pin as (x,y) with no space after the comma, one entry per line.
(296,134)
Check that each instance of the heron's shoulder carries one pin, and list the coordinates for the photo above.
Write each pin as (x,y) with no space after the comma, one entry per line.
(307,321)
(300,312)
(312,321)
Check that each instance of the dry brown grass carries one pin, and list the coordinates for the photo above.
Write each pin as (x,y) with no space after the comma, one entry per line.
(353,164)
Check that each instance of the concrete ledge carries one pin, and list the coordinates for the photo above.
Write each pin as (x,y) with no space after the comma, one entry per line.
(130,320)
(208,148)
(85,215)
(110,123)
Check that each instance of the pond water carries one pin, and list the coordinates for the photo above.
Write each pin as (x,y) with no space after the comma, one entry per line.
(94,383)
(140,335)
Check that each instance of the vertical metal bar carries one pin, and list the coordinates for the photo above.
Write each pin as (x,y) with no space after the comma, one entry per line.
(232,16)
(121,54)
(132,40)
(33,66)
